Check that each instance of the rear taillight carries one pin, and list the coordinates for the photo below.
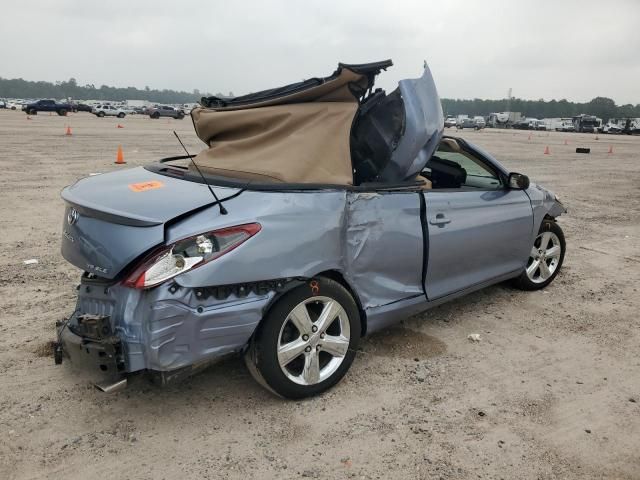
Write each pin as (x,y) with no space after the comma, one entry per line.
(188,254)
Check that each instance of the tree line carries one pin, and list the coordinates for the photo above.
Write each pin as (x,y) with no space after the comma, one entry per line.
(602,107)
(19,88)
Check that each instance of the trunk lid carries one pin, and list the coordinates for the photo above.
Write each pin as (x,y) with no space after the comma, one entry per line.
(114,218)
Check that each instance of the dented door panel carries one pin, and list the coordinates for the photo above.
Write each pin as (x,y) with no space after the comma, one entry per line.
(384,246)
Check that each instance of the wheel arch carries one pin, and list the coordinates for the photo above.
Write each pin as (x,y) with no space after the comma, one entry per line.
(338,277)
(334,275)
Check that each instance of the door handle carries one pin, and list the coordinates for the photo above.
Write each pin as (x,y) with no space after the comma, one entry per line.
(440,219)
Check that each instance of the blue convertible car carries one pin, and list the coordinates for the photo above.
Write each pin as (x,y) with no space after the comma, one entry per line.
(317,213)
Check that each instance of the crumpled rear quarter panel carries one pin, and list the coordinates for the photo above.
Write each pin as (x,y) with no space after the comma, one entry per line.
(301,235)
(163,330)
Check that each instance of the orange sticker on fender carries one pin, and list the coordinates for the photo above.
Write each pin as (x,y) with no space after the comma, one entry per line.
(144,186)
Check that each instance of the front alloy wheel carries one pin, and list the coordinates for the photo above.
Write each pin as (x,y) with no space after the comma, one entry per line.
(307,341)
(545,258)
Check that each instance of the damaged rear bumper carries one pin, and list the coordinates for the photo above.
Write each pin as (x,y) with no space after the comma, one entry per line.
(168,330)
(95,354)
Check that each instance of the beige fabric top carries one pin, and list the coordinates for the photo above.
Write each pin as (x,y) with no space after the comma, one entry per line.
(299,138)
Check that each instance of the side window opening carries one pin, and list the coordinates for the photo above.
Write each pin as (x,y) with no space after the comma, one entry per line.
(453,167)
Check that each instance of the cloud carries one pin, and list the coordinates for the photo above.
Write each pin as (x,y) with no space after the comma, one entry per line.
(544,49)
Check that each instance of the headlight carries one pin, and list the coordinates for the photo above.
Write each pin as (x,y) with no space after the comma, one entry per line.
(188,254)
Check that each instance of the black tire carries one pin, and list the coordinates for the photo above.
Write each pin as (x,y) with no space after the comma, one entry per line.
(62,112)
(180,116)
(100,114)
(155,115)
(523,282)
(121,115)
(33,111)
(262,356)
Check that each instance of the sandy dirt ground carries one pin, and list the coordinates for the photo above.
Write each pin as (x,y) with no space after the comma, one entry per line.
(551,391)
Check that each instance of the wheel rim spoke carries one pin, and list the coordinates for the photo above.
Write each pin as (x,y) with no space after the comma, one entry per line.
(290,351)
(544,270)
(329,313)
(311,370)
(553,252)
(335,345)
(299,316)
(531,269)
(544,240)
(534,252)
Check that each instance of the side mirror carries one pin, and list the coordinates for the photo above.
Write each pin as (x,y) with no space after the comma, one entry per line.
(518,181)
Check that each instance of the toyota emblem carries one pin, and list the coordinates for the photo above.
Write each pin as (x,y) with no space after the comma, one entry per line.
(72,216)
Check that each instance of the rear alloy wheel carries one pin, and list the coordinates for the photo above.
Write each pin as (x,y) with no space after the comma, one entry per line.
(545,258)
(121,115)
(307,341)
(100,114)
(155,115)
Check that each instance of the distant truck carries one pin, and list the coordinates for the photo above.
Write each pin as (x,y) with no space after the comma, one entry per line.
(503,119)
(469,123)
(586,123)
(47,106)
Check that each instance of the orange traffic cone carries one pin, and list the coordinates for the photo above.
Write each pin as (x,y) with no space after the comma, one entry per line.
(119,126)
(68,131)
(547,151)
(120,156)
(610,149)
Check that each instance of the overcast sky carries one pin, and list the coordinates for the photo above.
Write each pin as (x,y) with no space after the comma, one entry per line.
(542,49)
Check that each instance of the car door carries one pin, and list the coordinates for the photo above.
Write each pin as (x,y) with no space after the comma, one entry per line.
(384,246)
(478,229)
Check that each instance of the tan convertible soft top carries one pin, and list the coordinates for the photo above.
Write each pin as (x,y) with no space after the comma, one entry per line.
(297,134)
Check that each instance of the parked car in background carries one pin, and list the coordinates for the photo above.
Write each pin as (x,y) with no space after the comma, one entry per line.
(612,128)
(463,123)
(166,111)
(15,105)
(480,121)
(335,221)
(81,107)
(128,110)
(47,106)
(107,111)
(450,121)
(3,103)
